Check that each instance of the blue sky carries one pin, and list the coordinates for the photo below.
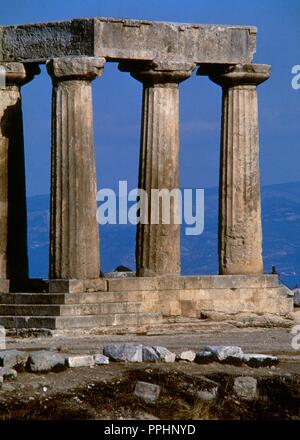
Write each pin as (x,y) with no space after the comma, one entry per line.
(117,97)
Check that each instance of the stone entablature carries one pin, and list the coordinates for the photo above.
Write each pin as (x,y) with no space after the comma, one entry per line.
(122,39)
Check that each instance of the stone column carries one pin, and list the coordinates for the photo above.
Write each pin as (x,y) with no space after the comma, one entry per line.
(158,245)
(74,237)
(13,219)
(240,233)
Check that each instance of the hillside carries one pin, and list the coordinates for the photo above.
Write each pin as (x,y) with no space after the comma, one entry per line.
(281,232)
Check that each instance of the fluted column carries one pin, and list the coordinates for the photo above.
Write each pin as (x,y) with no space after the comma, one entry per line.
(240,232)
(158,245)
(74,238)
(13,219)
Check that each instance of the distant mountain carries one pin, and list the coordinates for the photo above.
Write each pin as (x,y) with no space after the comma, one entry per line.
(281,236)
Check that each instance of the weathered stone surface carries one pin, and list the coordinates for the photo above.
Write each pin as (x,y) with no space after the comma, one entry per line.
(66,286)
(76,361)
(195,282)
(147,392)
(242,307)
(100,359)
(229,281)
(74,237)
(245,387)
(72,68)
(124,352)
(296,297)
(188,355)
(259,360)
(1,381)
(158,236)
(45,361)
(117,39)
(204,357)
(13,359)
(198,388)
(8,373)
(164,354)
(240,234)
(221,352)
(95,285)
(150,355)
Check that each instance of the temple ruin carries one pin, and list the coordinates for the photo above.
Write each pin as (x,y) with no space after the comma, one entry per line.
(160,56)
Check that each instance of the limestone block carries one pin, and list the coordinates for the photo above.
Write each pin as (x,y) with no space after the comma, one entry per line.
(188,355)
(150,355)
(76,361)
(245,387)
(164,354)
(117,39)
(45,361)
(221,352)
(100,359)
(147,392)
(124,352)
(13,359)
(95,285)
(129,284)
(66,286)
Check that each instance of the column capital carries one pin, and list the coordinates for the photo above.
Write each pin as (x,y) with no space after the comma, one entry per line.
(237,75)
(75,67)
(158,73)
(18,74)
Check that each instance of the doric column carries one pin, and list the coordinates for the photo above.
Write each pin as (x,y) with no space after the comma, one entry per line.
(158,245)
(13,219)
(240,233)
(74,237)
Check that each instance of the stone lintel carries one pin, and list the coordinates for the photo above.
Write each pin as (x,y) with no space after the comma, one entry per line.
(123,39)
(82,67)
(234,75)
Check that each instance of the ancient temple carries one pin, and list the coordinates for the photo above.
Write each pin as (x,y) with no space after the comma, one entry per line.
(160,56)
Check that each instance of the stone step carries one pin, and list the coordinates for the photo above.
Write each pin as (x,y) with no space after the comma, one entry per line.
(84,322)
(69,310)
(108,320)
(31,298)
(191,282)
(73,298)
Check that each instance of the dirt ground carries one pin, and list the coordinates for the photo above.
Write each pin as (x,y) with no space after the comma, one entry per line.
(106,392)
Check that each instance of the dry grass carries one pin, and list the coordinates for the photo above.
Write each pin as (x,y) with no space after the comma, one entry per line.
(199,410)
